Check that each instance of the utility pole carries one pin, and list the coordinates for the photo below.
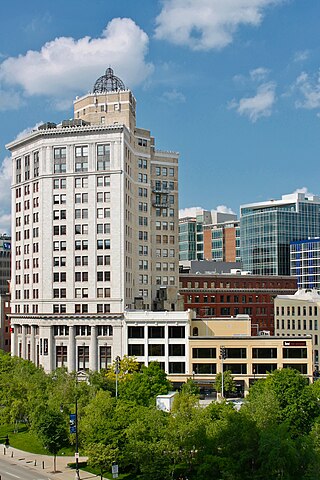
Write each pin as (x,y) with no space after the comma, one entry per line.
(222,356)
(77,438)
(117,371)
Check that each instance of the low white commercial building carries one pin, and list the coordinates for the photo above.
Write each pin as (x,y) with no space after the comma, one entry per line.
(93,342)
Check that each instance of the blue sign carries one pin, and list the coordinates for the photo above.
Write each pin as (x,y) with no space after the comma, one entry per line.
(73,423)
(6,246)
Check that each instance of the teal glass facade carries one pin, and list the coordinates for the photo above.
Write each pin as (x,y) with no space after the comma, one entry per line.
(267,230)
(187,240)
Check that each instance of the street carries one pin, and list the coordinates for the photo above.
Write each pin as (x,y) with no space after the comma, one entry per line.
(9,471)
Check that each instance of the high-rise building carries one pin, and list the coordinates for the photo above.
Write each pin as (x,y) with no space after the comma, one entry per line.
(5,263)
(222,241)
(95,216)
(267,228)
(305,263)
(209,236)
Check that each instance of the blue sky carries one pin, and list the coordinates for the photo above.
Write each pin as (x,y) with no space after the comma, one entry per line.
(233,85)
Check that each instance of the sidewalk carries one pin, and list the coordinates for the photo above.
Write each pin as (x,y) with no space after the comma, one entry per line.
(36,463)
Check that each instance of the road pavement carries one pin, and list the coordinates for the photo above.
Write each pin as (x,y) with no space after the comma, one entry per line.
(18,465)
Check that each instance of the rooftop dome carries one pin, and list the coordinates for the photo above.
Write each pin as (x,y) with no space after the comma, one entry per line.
(108,83)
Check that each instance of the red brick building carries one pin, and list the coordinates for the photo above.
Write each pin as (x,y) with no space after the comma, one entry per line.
(229,295)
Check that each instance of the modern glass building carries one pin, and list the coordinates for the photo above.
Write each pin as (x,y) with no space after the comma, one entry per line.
(267,228)
(187,239)
(209,235)
(305,263)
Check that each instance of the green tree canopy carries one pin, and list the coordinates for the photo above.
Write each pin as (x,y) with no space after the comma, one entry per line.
(101,456)
(52,431)
(145,385)
(287,398)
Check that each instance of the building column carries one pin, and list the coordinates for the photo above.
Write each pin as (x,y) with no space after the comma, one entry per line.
(14,338)
(33,344)
(51,350)
(72,350)
(93,353)
(23,342)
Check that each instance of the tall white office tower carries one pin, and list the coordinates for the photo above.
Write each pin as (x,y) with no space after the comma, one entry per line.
(94,222)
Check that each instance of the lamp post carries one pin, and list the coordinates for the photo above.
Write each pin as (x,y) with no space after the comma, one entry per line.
(77,477)
(117,371)
(222,356)
(75,430)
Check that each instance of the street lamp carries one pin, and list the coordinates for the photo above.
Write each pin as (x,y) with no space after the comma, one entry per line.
(117,371)
(223,357)
(74,427)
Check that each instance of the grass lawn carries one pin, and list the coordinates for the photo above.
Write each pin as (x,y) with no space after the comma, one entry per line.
(124,476)
(26,440)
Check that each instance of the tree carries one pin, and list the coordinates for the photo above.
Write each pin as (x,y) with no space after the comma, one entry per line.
(229,385)
(52,431)
(101,456)
(23,389)
(287,398)
(190,387)
(147,449)
(145,385)
(127,367)
(96,423)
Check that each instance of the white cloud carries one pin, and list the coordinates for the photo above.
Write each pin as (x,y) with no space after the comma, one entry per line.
(301,56)
(224,209)
(309,89)
(207,24)
(174,96)
(259,74)
(194,211)
(190,212)
(259,105)
(27,131)
(68,66)
(305,191)
(5,195)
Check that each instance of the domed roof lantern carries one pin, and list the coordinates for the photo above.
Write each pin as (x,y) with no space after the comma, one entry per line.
(108,83)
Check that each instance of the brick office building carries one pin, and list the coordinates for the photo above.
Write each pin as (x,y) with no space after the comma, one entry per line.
(230,295)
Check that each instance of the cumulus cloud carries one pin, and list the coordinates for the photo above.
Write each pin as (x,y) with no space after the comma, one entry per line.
(304,190)
(5,195)
(173,96)
(190,212)
(256,75)
(259,74)
(308,88)
(194,211)
(68,66)
(224,209)
(207,24)
(258,106)
(28,130)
